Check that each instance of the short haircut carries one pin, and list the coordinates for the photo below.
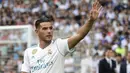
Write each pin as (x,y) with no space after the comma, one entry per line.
(119,55)
(107,48)
(44,18)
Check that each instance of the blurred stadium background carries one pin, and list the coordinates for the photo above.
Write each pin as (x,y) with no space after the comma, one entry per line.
(17,18)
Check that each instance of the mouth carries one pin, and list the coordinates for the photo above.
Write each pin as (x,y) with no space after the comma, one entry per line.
(49,36)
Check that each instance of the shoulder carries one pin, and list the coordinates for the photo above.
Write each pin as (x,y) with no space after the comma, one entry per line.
(114,61)
(124,63)
(102,60)
(30,49)
(60,40)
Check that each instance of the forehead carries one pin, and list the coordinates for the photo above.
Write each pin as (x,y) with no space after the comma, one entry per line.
(46,24)
(109,51)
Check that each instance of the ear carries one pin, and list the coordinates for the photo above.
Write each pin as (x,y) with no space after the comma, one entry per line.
(36,30)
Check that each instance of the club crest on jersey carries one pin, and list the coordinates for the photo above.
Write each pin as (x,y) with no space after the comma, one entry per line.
(34,51)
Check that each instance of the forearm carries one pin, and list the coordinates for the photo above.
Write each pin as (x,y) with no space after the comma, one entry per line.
(81,33)
(83,30)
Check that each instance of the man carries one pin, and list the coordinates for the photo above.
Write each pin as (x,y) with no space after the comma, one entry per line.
(107,65)
(48,56)
(125,66)
(118,62)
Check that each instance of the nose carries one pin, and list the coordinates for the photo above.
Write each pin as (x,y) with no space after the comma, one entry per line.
(49,30)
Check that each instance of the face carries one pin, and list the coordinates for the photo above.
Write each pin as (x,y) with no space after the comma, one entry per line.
(45,31)
(112,54)
(118,58)
(109,53)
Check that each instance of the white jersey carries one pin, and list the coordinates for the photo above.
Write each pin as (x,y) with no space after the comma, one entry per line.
(47,60)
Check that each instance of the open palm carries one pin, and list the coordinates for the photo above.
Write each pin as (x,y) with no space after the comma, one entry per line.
(96,8)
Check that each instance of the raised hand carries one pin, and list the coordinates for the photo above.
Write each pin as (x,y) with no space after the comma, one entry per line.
(96,8)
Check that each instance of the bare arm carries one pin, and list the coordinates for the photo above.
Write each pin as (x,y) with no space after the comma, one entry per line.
(82,31)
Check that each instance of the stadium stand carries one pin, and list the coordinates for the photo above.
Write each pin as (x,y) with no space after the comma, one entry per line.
(112,29)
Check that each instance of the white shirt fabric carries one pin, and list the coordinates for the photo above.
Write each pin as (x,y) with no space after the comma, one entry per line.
(118,68)
(110,14)
(129,46)
(44,6)
(124,43)
(47,60)
(69,65)
(128,67)
(109,61)
(114,47)
(100,52)
(64,6)
(89,65)
(86,65)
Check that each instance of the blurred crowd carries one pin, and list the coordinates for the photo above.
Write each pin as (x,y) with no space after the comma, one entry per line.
(111,30)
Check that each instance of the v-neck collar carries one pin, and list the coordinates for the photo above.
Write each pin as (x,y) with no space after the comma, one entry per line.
(46,46)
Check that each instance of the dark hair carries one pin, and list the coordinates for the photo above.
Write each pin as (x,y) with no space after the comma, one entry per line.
(44,18)
(119,55)
(107,48)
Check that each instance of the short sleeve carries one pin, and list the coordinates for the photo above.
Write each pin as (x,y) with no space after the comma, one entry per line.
(62,46)
(25,65)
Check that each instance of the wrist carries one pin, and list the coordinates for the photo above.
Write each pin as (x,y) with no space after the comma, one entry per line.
(92,20)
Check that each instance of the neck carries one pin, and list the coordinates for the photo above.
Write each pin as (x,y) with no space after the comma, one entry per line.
(107,57)
(119,62)
(44,44)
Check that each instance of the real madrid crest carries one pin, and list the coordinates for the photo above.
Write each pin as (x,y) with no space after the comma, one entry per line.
(34,51)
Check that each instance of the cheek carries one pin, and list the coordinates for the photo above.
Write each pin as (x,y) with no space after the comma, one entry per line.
(129,57)
(111,54)
(41,34)
(52,32)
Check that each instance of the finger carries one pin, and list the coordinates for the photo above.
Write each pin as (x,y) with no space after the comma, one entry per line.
(95,2)
(91,13)
(97,5)
(94,5)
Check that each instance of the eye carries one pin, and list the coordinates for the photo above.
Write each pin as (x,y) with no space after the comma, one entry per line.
(51,28)
(44,28)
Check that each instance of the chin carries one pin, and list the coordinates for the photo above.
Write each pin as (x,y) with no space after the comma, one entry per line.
(49,40)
